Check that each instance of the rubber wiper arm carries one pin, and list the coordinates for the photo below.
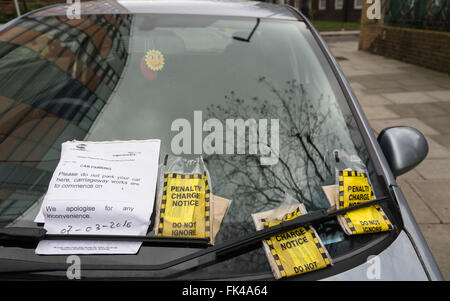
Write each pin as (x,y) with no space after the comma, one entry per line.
(250,35)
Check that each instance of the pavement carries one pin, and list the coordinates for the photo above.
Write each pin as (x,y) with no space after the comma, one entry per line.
(394,93)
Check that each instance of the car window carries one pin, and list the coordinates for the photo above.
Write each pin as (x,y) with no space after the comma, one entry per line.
(89,79)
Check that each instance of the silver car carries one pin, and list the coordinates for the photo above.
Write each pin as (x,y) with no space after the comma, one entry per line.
(82,73)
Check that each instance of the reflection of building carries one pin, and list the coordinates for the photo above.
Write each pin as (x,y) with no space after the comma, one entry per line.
(330,10)
(337,10)
(56,74)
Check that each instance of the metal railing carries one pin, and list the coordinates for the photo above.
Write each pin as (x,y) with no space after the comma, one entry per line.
(421,14)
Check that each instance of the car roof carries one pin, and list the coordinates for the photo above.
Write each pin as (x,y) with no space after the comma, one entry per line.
(237,8)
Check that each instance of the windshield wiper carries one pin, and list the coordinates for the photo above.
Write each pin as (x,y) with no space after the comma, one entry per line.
(197,259)
(250,35)
(19,235)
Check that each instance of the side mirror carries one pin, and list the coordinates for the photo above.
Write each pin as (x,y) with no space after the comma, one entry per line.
(404,148)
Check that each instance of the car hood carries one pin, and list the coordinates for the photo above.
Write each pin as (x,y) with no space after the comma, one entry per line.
(397,262)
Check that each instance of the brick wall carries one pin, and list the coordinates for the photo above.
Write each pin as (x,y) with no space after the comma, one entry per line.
(426,48)
(430,49)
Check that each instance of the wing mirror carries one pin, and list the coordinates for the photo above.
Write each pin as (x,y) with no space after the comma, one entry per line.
(404,148)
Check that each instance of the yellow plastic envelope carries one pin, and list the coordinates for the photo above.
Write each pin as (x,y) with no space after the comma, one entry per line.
(294,252)
(185,209)
(354,188)
(367,220)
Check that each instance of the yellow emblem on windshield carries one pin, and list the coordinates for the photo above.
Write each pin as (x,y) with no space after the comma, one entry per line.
(154,60)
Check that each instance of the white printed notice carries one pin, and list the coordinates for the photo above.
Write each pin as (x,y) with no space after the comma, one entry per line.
(100,188)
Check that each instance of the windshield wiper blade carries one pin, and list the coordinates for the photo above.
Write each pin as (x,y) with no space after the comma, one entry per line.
(250,35)
(197,259)
(21,234)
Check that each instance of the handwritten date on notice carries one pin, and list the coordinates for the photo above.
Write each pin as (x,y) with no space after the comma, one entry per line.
(97,227)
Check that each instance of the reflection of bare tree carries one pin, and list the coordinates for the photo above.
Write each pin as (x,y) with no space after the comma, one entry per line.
(309,129)
(361,150)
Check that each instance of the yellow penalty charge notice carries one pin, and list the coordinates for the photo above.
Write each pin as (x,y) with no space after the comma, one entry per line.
(353,189)
(294,252)
(185,209)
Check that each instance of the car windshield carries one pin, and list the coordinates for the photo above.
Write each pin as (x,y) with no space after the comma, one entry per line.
(127,77)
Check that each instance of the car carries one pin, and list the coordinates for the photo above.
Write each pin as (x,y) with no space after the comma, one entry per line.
(129,70)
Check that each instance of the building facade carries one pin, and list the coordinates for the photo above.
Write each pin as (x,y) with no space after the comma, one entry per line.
(327,10)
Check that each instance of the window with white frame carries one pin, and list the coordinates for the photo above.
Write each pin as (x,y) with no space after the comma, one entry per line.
(322,4)
(338,4)
(358,4)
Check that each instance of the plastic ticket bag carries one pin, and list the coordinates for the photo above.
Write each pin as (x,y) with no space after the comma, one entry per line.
(221,206)
(354,188)
(294,252)
(366,220)
(185,203)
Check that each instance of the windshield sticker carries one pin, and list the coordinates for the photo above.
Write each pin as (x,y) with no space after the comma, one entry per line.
(154,60)
(294,252)
(185,206)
